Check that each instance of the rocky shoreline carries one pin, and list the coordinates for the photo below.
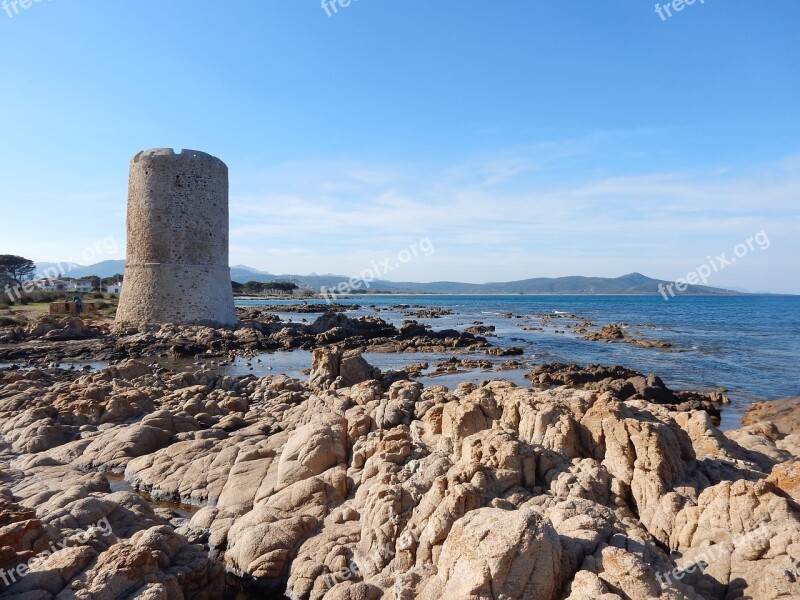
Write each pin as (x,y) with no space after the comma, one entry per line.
(137,481)
(567,323)
(50,340)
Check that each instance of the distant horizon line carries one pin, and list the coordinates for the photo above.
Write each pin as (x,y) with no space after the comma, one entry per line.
(255,271)
(647,294)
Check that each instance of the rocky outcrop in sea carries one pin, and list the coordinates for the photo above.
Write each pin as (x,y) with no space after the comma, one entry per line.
(50,340)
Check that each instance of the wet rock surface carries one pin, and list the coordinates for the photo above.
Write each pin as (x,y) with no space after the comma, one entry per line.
(568,323)
(50,341)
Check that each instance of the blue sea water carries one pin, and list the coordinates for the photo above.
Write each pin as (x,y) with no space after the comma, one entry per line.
(748,345)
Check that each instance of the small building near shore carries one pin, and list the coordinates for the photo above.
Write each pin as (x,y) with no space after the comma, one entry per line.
(80,285)
(51,285)
(65,285)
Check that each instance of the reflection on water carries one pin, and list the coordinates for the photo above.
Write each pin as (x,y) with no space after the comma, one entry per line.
(745,344)
(451,380)
(117,483)
(297,363)
(291,363)
(66,365)
(236,588)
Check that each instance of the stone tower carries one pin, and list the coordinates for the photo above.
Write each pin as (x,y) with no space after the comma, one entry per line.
(177,254)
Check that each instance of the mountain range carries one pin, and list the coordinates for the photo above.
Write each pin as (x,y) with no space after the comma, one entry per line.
(633,283)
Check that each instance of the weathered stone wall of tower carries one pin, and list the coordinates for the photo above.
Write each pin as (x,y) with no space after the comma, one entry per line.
(177,253)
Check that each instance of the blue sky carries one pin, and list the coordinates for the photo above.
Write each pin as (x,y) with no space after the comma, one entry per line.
(523,138)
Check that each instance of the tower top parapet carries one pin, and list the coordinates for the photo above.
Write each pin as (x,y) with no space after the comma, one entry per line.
(169,152)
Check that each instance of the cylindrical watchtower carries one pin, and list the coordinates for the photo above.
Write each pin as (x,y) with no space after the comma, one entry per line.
(177,253)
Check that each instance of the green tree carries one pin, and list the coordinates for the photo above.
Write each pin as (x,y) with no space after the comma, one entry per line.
(283,286)
(16,269)
(253,287)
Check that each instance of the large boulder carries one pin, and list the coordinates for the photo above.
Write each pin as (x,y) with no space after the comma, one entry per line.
(494,553)
(336,368)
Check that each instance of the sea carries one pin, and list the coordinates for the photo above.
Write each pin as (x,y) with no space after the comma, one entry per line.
(747,345)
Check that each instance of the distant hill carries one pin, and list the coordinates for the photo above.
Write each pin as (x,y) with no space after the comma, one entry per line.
(633,283)
(107,268)
(242,274)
